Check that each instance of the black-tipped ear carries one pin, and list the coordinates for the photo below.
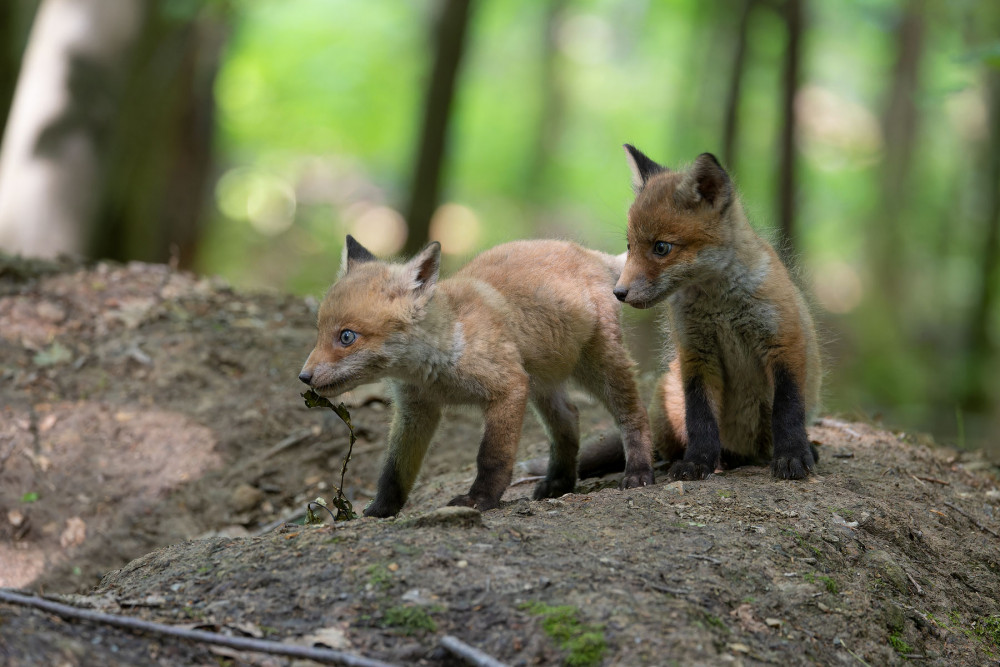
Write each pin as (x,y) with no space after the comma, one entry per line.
(706,182)
(642,167)
(425,267)
(354,253)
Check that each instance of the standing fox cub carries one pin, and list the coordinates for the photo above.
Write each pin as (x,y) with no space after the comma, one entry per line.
(511,327)
(746,368)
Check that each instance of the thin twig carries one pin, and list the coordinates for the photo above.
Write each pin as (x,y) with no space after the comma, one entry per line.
(917,480)
(985,529)
(665,589)
(470,654)
(913,581)
(843,426)
(935,480)
(527,480)
(714,561)
(287,443)
(324,655)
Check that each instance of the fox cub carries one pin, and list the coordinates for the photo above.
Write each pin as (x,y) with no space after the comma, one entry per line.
(512,327)
(744,372)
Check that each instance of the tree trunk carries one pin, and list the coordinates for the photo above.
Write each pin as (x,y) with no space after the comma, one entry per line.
(980,349)
(54,151)
(550,115)
(426,183)
(162,149)
(731,122)
(899,126)
(787,181)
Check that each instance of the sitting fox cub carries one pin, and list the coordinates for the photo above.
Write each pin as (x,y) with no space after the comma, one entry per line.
(746,367)
(511,327)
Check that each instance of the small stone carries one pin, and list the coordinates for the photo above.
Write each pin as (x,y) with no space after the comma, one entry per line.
(462,563)
(773,622)
(467,517)
(393,567)
(244,498)
(675,487)
(15,517)
(739,648)
(822,607)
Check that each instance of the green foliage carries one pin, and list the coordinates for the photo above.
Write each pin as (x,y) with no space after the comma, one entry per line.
(408,620)
(584,643)
(30,497)
(898,643)
(379,576)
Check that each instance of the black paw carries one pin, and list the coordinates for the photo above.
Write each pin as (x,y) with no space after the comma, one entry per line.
(481,503)
(553,488)
(689,470)
(634,479)
(381,510)
(792,467)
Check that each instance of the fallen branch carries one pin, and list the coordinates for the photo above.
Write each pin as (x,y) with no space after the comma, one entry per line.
(324,655)
(985,529)
(470,654)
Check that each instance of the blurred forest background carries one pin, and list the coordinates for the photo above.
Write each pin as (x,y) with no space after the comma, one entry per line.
(246,137)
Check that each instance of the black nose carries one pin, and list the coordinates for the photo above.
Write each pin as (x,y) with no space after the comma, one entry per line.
(620,293)
(306,377)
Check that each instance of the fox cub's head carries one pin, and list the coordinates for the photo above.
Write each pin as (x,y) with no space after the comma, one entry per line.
(364,317)
(679,227)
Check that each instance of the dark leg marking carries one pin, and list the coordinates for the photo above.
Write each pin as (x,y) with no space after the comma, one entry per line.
(704,446)
(793,455)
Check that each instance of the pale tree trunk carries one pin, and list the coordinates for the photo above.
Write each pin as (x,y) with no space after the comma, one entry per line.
(426,184)
(54,148)
(787,176)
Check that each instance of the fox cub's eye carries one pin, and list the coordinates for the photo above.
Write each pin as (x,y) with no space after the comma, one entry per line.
(347,337)
(661,248)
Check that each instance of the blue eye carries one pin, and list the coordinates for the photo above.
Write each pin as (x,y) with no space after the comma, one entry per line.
(661,248)
(347,337)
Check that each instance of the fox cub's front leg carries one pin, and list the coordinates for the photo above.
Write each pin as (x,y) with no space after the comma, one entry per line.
(498,450)
(793,455)
(413,424)
(703,446)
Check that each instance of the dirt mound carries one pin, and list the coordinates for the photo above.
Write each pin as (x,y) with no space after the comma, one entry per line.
(143,408)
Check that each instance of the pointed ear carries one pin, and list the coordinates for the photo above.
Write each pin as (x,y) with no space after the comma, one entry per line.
(642,167)
(706,182)
(424,268)
(353,254)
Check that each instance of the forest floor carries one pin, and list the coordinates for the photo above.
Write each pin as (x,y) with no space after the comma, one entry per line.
(152,415)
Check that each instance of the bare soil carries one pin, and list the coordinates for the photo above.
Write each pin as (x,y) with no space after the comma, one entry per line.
(152,438)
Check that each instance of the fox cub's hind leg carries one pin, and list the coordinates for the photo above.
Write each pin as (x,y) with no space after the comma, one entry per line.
(498,449)
(413,424)
(562,424)
(606,372)
(793,454)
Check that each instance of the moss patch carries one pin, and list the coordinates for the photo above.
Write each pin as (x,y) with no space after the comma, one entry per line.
(584,643)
